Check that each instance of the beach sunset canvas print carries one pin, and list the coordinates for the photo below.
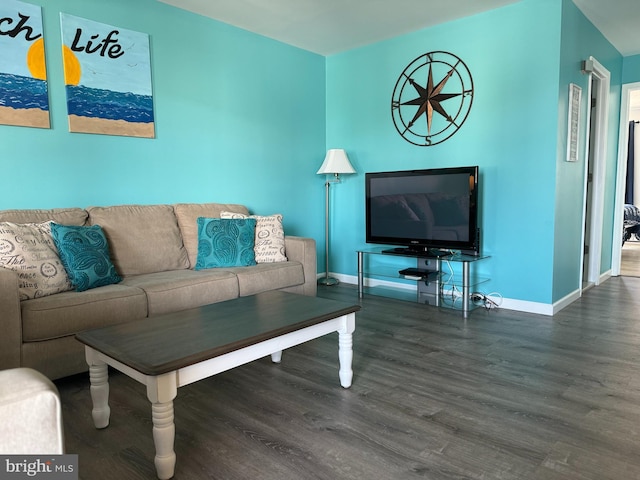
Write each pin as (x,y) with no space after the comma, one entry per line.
(24,97)
(107,74)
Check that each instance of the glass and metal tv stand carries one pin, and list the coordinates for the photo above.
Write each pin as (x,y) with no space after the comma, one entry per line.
(419,277)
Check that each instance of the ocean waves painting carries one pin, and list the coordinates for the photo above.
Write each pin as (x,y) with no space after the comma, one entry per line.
(21,92)
(97,103)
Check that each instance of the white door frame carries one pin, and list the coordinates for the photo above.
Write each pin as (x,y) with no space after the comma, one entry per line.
(599,146)
(621,177)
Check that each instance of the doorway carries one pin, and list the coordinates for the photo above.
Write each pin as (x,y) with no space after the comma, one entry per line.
(626,258)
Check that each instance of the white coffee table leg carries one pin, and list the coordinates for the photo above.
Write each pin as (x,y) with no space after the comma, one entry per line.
(276,357)
(161,391)
(345,349)
(99,377)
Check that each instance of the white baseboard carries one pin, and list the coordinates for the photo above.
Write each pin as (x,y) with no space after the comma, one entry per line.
(565,301)
(605,276)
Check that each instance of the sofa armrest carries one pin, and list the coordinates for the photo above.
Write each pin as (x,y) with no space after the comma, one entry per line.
(303,250)
(10,320)
(30,414)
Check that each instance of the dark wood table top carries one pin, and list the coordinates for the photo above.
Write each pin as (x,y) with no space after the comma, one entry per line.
(165,343)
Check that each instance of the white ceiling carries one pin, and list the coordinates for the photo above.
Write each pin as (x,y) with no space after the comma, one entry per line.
(331,26)
(618,20)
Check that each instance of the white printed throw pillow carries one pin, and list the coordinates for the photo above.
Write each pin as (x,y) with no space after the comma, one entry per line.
(28,250)
(269,245)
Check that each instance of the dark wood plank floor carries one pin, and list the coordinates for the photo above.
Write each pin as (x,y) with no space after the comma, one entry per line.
(501,395)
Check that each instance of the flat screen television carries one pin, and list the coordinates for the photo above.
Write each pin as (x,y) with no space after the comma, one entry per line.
(425,212)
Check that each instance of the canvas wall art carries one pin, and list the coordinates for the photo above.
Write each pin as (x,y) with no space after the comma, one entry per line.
(107,73)
(575,100)
(24,96)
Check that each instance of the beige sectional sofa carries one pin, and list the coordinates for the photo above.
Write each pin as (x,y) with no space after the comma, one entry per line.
(154,250)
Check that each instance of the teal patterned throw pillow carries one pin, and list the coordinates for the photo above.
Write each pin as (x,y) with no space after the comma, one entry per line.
(225,242)
(84,252)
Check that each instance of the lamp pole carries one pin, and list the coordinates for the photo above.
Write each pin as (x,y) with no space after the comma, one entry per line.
(327,280)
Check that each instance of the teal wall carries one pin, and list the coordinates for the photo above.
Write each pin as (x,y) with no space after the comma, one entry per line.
(522,58)
(511,133)
(239,118)
(245,119)
(631,69)
(580,40)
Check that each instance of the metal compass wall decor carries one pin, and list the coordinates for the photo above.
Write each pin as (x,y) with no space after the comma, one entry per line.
(432,98)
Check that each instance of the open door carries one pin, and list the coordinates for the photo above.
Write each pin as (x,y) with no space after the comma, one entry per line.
(586,283)
(594,175)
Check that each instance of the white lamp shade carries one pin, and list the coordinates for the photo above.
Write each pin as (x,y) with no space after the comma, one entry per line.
(336,161)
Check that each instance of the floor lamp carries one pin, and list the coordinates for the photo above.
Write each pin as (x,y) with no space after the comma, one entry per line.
(335,163)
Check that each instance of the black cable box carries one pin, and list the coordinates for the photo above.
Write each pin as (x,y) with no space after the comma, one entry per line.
(417,272)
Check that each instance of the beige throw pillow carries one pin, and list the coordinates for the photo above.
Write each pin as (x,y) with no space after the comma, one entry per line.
(269,246)
(28,250)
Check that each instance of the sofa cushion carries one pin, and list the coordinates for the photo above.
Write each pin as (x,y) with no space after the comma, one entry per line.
(142,238)
(226,242)
(68,313)
(269,244)
(65,216)
(268,276)
(181,289)
(84,252)
(187,215)
(28,249)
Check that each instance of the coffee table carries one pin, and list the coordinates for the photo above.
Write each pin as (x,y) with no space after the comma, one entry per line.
(169,351)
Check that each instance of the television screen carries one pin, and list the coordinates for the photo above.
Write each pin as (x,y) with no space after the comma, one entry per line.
(423,210)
